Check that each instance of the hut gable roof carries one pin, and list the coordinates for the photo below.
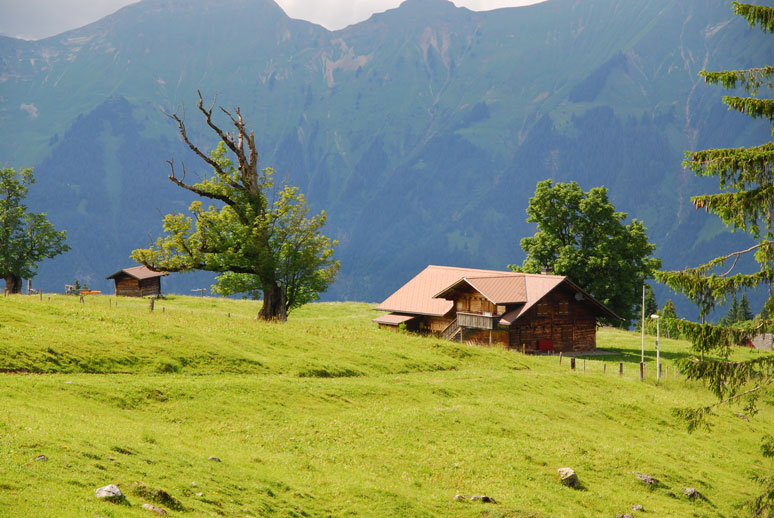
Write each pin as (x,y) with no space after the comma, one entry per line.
(416,296)
(138,272)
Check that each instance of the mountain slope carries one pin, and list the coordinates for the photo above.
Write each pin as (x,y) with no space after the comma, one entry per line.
(421,131)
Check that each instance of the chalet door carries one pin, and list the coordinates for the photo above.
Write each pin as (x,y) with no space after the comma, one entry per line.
(565,338)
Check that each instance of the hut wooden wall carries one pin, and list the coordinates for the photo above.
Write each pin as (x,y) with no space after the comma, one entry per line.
(151,287)
(468,300)
(558,317)
(127,286)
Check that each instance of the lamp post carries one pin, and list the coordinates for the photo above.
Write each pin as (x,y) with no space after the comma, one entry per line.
(658,351)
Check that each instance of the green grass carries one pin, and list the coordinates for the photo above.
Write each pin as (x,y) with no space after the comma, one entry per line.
(328,416)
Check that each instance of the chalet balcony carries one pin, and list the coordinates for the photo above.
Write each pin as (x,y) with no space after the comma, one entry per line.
(477,320)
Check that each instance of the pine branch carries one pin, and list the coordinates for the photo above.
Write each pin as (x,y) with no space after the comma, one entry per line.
(742,209)
(735,167)
(752,106)
(756,14)
(751,79)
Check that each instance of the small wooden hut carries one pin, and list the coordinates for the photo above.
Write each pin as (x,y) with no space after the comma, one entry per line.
(138,281)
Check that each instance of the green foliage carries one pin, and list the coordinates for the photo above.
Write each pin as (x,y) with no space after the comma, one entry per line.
(582,236)
(746,202)
(756,15)
(260,240)
(26,238)
(743,313)
(767,311)
(732,317)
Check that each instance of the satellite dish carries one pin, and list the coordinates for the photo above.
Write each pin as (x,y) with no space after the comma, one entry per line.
(578,297)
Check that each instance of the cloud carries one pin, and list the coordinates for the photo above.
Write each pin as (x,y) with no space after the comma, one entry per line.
(31,110)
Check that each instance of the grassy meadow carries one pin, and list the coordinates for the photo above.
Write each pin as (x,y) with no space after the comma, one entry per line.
(327,415)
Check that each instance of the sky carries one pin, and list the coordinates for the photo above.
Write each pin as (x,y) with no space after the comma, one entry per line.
(36,19)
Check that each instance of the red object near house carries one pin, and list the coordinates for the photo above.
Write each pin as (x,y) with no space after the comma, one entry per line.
(545,344)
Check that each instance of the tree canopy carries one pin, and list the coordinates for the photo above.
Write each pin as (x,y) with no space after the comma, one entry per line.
(259,238)
(582,236)
(745,203)
(26,238)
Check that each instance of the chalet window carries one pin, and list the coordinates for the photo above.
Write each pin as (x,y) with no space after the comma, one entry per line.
(460,304)
(475,305)
(564,307)
(500,310)
(543,309)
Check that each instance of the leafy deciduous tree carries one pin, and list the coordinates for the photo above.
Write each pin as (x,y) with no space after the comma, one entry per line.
(581,235)
(746,203)
(260,243)
(26,238)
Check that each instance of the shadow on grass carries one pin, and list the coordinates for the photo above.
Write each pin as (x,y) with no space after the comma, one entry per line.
(629,356)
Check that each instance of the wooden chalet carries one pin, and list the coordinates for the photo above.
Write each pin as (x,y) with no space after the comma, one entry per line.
(538,312)
(138,281)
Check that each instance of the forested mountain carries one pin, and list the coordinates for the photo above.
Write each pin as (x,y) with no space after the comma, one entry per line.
(421,131)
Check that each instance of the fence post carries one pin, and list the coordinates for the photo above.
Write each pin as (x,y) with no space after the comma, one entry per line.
(523,348)
(572,363)
(560,357)
(151,303)
(604,367)
(620,369)
(584,364)
(642,371)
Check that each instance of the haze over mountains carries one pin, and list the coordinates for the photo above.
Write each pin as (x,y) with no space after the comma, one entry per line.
(422,131)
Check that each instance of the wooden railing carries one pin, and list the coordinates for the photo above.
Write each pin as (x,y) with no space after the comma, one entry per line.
(477,320)
(451,330)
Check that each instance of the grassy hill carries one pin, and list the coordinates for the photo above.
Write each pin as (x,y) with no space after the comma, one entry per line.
(328,416)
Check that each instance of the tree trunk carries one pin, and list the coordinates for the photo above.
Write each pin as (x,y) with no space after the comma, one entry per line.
(273,303)
(13,284)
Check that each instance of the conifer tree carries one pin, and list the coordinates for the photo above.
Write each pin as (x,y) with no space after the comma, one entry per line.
(743,312)
(732,317)
(746,203)
(669,316)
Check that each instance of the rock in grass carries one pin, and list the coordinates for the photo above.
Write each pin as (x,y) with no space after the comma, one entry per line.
(692,494)
(569,477)
(636,508)
(459,497)
(41,458)
(110,493)
(155,509)
(647,479)
(214,459)
(483,498)
(627,515)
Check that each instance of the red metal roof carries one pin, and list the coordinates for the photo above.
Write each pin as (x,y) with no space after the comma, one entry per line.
(420,295)
(506,288)
(416,296)
(138,272)
(393,319)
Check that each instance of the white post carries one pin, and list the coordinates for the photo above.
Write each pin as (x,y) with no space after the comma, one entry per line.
(658,349)
(642,326)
